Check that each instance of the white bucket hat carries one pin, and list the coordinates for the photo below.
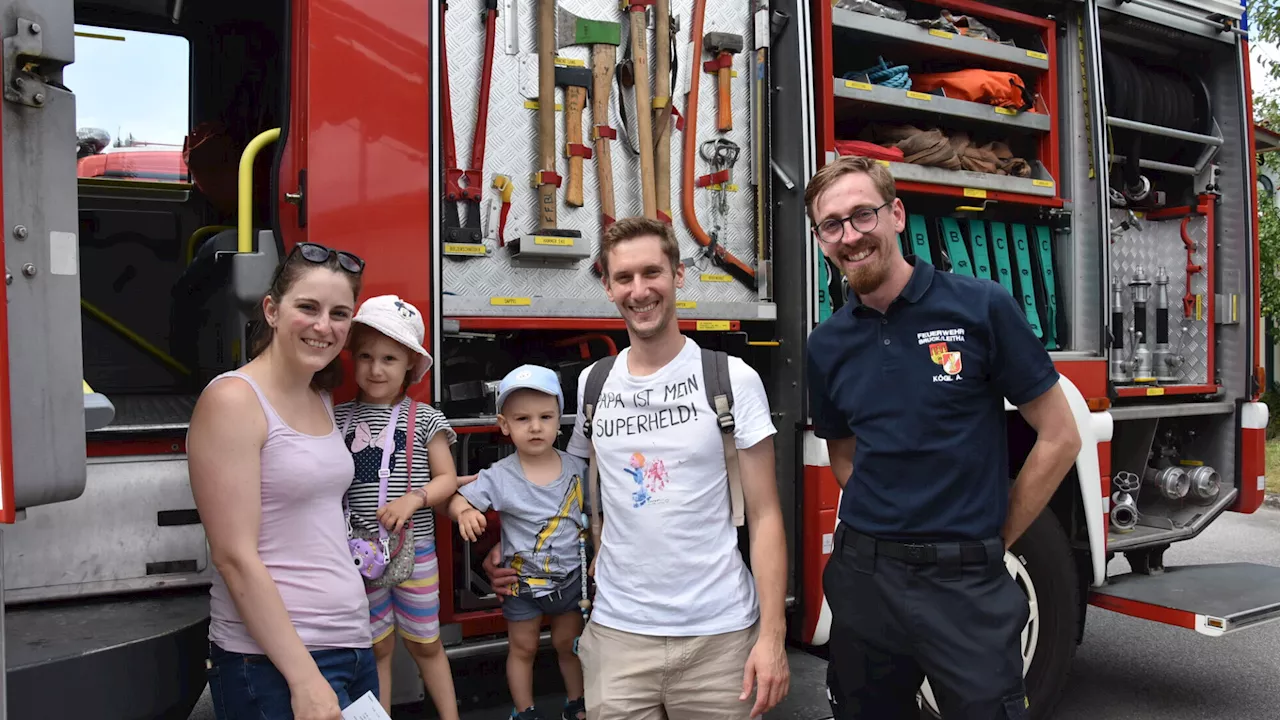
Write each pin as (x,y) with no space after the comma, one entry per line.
(400,321)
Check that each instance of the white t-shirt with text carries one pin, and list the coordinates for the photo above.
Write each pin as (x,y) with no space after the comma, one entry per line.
(669,561)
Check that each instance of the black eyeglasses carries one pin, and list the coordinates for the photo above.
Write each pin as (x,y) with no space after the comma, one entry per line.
(864,221)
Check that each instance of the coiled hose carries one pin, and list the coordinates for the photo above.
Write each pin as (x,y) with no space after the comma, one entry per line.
(1155,95)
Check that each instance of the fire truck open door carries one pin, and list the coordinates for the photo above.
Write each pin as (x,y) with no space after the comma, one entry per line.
(44,397)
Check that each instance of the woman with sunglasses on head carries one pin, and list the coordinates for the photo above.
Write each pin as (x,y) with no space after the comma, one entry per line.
(289,622)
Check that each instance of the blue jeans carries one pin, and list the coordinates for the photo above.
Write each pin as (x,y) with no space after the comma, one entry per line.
(248,687)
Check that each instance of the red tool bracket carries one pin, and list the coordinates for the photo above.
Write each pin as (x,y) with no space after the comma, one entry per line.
(603,131)
(723,60)
(547,176)
(715,178)
(579,150)
(467,185)
(1189,300)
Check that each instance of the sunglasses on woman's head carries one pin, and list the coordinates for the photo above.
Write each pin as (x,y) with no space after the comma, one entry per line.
(320,254)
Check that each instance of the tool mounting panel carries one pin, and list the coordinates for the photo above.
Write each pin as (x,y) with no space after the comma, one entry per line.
(551,277)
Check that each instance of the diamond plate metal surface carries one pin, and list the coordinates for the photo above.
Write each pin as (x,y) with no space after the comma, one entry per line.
(1159,244)
(511,149)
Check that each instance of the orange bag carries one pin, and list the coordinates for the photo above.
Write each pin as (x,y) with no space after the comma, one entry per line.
(1002,89)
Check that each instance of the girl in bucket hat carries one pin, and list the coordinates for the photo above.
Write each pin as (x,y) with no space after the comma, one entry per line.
(386,346)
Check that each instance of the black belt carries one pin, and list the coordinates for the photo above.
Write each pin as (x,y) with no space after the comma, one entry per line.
(969,552)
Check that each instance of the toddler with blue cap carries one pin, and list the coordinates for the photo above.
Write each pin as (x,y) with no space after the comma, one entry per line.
(538,493)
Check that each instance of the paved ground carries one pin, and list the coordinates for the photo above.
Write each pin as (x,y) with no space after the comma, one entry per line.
(1127,669)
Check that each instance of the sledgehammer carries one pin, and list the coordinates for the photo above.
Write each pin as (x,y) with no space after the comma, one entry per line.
(724,46)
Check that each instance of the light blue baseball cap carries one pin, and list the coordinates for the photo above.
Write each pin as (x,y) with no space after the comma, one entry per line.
(530,377)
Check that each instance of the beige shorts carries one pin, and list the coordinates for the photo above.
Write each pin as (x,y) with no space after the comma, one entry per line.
(645,677)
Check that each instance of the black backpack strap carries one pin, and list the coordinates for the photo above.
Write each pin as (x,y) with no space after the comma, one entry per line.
(590,397)
(715,372)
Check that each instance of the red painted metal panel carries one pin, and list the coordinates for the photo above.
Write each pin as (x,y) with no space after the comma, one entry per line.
(823,81)
(7,510)
(124,448)
(362,130)
(821,493)
(1253,465)
(1089,376)
(1104,477)
(1133,608)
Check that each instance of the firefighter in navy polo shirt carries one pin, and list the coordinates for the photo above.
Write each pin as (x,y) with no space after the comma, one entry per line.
(907,386)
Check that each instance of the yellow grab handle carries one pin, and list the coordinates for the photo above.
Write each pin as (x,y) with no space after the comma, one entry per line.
(244,219)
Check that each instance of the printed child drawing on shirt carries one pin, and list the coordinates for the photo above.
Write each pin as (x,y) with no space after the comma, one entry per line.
(651,478)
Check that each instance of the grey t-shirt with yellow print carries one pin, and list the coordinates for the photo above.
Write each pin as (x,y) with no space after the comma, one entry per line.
(540,523)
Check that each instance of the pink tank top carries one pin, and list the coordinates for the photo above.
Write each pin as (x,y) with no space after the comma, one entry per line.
(302,540)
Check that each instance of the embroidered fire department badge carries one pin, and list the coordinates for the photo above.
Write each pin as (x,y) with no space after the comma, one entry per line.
(948,359)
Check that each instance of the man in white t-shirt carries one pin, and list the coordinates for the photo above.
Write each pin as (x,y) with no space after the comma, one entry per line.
(678,623)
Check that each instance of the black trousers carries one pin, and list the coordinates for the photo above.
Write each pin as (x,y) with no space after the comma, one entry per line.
(950,612)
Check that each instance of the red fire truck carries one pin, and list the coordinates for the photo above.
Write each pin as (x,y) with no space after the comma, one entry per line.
(1107,183)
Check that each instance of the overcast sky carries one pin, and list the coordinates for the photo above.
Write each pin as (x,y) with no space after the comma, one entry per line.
(140,85)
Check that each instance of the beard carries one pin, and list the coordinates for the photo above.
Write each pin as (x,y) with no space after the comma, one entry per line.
(866,278)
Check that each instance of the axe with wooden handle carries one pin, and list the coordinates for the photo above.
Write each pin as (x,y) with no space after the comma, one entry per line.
(603,37)
(575,81)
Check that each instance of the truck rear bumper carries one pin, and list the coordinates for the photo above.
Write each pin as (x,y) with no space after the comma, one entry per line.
(139,657)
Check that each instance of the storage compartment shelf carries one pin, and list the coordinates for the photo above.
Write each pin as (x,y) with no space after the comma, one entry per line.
(1039,184)
(880,95)
(897,31)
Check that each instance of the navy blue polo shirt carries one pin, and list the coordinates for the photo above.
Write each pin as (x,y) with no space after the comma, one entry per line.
(922,390)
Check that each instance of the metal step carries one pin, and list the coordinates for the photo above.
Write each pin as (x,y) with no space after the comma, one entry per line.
(128,657)
(1211,599)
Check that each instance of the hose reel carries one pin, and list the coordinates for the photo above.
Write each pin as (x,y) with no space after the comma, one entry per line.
(1157,95)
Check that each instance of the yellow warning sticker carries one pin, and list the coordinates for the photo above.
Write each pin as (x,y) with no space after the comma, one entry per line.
(556,241)
(1199,307)
(686,305)
(1042,183)
(1191,463)
(463,249)
(942,34)
(1151,392)
(510,301)
(713,324)
(728,188)
(856,85)
(919,95)
(533,105)
(716,277)
(1005,111)
(1037,55)
(975,193)
(571,62)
